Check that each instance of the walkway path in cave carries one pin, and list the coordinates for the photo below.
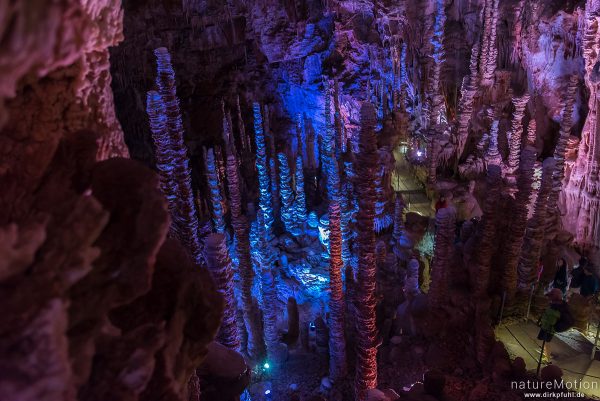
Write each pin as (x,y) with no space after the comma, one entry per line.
(405,182)
(570,351)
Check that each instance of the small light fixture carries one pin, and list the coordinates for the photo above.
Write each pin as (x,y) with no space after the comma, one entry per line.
(419,153)
(267,392)
(266,365)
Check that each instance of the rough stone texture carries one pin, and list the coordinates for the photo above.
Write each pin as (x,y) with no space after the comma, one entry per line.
(84,239)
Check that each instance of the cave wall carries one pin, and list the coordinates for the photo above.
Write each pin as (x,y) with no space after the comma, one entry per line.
(83,229)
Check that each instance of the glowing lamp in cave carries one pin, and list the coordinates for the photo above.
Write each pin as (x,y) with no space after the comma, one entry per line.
(419,153)
(266,366)
(267,392)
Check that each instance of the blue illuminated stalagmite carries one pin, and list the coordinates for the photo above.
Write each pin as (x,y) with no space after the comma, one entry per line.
(300,201)
(287,196)
(264,181)
(267,285)
(241,228)
(163,153)
(215,194)
(185,220)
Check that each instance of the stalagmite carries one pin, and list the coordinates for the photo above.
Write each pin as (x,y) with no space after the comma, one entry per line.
(443,255)
(480,277)
(215,193)
(534,235)
(300,200)
(287,196)
(531,132)
(582,196)
(185,221)
(438,104)
(366,343)
(337,341)
(516,136)
(514,242)
(398,218)
(489,48)
(492,155)
(241,229)
(264,182)
(219,265)
(163,151)
(465,109)
(269,294)
(559,153)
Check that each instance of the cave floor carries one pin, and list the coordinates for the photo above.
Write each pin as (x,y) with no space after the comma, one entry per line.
(570,351)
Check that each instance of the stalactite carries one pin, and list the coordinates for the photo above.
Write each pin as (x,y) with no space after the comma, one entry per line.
(518,223)
(215,193)
(287,196)
(264,182)
(516,136)
(480,277)
(269,294)
(300,200)
(465,109)
(185,220)
(366,168)
(241,228)
(534,235)
(219,265)
(433,150)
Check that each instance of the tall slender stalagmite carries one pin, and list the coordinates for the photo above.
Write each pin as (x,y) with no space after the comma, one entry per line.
(219,265)
(514,242)
(264,181)
(241,229)
(534,235)
(465,108)
(300,200)
(582,197)
(269,293)
(443,255)
(366,342)
(559,153)
(398,218)
(287,196)
(337,339)
(480,278)
(185,220)
(438,103)
(489,50)
(516,135)
(215,192)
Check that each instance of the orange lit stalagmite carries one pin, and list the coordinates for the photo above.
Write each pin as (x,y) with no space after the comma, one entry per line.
(365,302)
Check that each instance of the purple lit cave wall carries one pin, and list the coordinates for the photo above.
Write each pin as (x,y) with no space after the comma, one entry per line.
(299,200)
